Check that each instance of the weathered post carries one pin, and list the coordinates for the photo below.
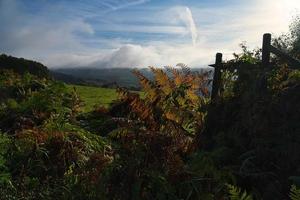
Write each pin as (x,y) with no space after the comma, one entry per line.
(217,77)
(266,50)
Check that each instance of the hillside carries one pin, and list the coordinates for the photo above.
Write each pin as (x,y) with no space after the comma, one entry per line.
(21,65)
(94,96)
(112,77)
(67,78)
(104,77)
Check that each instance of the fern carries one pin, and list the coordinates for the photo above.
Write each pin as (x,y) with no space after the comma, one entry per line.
(294,193)
(236,193)
(170,101)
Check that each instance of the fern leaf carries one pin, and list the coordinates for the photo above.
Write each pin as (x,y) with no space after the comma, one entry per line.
(294,193)
(145,83)
(236,193)
(162,80)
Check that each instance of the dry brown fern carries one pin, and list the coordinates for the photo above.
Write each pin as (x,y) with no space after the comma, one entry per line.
(172,100)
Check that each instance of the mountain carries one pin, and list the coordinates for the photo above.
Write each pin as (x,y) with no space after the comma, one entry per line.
(111,77)
(21,66)
(105,77)
(67,78)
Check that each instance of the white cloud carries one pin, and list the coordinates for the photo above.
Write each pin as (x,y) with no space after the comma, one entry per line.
(25,35)
(185,15)
(138,56)
(192,25)
(122,4)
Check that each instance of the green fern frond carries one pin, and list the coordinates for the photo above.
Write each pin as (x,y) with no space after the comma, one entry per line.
(294,193)
(236,193)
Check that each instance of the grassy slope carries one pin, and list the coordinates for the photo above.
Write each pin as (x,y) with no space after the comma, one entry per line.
(92,96)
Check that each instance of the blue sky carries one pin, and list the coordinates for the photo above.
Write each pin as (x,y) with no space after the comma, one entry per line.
(137,33)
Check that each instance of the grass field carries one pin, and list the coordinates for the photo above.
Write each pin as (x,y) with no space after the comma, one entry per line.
(92,96)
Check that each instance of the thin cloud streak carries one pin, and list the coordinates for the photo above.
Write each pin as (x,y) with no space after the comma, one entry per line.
(128,4)
(191,25)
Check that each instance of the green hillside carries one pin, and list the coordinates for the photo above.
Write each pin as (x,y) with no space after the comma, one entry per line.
(93,96)
(21,66)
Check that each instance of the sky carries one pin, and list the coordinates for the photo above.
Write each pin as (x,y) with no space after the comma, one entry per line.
(137,33)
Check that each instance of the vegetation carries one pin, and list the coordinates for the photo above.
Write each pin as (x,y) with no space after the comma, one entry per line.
(174,142)
(21,66)
(94,96)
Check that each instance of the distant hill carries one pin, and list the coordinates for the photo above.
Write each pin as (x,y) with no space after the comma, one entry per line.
(104,77)
(111,77)
(21,65)
(67,78)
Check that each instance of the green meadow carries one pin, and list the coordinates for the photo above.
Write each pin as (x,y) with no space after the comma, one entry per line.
(94,96)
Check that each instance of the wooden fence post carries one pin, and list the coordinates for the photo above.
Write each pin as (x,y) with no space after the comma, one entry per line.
(266,50)
(217,77)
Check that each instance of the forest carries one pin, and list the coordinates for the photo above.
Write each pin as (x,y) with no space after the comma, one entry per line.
(172,142)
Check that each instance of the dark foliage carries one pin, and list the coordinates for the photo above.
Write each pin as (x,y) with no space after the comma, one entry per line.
(21,66)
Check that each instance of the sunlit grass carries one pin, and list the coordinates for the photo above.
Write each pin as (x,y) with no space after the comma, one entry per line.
(94,96)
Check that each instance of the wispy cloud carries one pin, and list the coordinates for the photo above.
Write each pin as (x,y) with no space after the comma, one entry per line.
(192,25)
(124,4)
(185,15)
(102,7)
(31,36)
